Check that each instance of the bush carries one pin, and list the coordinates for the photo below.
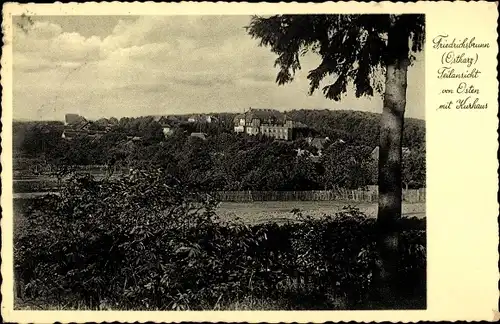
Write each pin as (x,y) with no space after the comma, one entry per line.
(146,241)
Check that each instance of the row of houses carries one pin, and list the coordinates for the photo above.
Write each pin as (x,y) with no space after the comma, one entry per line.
(76,125)
(268,122)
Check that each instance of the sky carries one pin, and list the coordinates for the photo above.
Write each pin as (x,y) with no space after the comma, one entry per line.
(123,66)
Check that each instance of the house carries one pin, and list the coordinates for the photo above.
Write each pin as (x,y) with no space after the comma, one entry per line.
(268,122)
(76,125)
(203,136)
(202,119)
(165,126)
(308,154)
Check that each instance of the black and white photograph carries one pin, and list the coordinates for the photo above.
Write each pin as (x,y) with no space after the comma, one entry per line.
(219,162)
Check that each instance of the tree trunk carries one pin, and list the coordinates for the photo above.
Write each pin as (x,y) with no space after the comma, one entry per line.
(390,179)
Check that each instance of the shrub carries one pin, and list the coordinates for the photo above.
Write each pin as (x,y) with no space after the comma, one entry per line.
(146,241)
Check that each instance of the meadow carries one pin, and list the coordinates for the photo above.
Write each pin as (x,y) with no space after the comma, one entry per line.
(281,211)
(259,212)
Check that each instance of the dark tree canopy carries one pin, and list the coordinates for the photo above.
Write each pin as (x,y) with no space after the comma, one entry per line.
(352,47)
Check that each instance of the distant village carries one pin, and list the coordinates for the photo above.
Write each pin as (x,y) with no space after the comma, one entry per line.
(265,122)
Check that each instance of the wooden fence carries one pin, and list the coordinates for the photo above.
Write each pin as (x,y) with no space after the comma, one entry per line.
(411,195)
(35,171)
(21,185)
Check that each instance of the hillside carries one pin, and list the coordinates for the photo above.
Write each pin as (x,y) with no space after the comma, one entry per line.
(357,127)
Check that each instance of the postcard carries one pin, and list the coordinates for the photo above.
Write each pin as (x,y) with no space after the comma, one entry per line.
(236,162)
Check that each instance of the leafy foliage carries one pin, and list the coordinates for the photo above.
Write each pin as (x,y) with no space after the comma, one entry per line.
(352,47)
(347,166)
(147,241)
(357,127)
(414,168)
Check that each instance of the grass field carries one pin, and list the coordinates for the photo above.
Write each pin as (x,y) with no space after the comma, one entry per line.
(281,211)
(278,211)
(251,214)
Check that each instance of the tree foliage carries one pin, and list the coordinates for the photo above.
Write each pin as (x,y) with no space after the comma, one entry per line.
(166,249)
(353,47)
(228,161)
(414,167)
(347,166)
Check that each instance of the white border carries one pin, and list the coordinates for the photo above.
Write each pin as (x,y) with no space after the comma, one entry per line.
(462,208)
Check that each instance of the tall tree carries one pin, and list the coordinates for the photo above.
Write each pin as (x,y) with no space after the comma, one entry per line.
(354,49)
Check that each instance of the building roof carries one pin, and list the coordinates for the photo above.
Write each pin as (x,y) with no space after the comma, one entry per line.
(203,136)
(262,114)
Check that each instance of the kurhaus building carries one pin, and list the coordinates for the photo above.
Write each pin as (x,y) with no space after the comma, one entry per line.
(268,122)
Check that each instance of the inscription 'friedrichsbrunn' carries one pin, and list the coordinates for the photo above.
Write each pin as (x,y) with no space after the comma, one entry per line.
(458,62)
